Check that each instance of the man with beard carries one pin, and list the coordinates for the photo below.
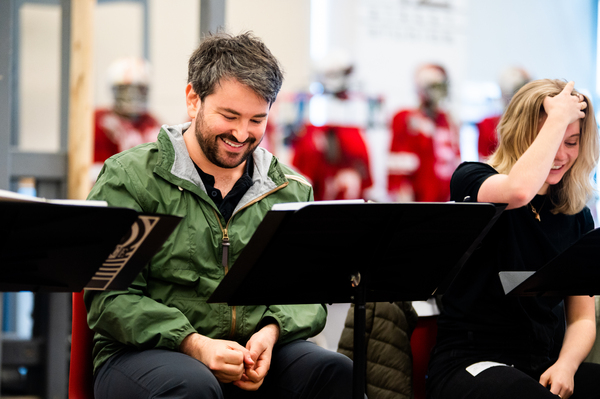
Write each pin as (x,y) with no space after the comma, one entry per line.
(160,338)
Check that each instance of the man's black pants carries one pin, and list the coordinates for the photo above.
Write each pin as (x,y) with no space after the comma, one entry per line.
(299,369)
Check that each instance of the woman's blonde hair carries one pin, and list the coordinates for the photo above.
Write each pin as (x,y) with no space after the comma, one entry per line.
(520,125)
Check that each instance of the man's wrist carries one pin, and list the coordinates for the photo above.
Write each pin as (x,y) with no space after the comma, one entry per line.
(192,344)
(272,330)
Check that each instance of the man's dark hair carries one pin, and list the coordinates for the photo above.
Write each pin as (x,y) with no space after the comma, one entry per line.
(244,58)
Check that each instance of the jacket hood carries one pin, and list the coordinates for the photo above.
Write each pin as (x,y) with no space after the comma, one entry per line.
(175,158)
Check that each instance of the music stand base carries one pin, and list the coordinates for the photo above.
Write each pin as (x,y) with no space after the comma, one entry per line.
(360,351)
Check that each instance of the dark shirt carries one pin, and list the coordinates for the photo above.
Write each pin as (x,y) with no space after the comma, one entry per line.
(227,205)
(475,307)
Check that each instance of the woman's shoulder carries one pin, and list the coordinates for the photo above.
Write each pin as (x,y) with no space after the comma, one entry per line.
(470,167)
(467,179)
(472,171)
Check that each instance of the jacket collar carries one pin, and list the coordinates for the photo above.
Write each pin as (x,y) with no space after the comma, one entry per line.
(176,166)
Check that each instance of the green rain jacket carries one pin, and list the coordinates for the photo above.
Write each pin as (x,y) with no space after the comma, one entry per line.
(167,300)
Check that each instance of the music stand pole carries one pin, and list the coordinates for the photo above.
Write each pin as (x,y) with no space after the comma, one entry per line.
(360,353)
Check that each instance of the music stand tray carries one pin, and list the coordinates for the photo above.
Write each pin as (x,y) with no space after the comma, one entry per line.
(569,273)
(51,247)
(357,253)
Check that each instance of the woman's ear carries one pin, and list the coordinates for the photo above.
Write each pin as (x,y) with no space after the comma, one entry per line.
(192,101)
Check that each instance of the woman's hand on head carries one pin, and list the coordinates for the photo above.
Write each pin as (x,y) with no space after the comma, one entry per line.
(566,106)
(529,174)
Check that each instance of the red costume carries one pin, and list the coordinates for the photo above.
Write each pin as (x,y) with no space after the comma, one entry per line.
(488,139)
(335,159)
(423,156)
(114,133)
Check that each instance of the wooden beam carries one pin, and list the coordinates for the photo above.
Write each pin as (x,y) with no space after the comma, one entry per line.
(81,103)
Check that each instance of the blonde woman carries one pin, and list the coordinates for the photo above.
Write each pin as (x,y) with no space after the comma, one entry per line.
(493,346)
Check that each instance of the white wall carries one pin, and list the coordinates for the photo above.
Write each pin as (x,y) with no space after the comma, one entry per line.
(284,27)
(549,38)
(39,82)
(117,33)
(174,34)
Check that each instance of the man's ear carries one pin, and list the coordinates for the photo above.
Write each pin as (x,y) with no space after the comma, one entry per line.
(192,101)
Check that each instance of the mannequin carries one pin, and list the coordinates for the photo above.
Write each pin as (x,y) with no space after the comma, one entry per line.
(425,149)
(332,151)
(511,80)
(127,122)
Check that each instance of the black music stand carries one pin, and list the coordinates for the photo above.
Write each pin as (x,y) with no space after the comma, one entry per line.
(357,253)
(572,272)
(47,247)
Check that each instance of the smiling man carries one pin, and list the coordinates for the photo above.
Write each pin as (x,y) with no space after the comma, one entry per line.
(160,338)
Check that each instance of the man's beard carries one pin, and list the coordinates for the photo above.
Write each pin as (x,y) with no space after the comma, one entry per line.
(209,144)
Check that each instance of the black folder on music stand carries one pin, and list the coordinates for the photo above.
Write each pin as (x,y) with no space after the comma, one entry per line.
(357,253)
(572,272)
(49,247)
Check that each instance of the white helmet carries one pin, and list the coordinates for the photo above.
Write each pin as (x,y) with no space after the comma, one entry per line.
(432,83)
(511,80)
(333,71)
(129,79)
(129,71)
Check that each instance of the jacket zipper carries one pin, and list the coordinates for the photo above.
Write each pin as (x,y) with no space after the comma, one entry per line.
(225,244)
(225,262)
